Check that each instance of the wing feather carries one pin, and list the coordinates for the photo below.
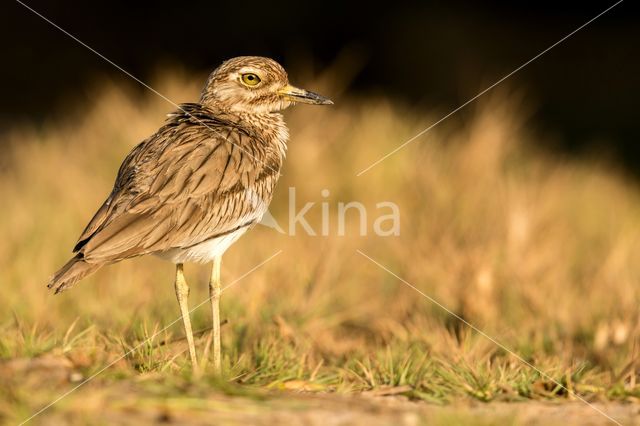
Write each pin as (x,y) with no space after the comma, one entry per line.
(183,185)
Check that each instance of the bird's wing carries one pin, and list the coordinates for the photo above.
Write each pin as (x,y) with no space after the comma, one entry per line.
(191,181)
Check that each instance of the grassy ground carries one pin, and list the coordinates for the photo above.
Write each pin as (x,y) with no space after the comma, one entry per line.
(539,252)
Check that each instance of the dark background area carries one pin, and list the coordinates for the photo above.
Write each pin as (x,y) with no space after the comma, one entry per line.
(437,53)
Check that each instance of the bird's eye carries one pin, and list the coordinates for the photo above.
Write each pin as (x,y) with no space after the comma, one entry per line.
(250,79)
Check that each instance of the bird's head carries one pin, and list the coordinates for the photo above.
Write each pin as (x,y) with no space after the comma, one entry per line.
(254,84)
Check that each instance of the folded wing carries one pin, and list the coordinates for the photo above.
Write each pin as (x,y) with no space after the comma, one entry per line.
(196,178)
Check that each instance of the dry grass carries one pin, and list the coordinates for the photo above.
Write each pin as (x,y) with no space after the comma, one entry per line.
(540,253)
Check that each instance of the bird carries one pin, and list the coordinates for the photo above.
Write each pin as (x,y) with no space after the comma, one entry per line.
(190,190)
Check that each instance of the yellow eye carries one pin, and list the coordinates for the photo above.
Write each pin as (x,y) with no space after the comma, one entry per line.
(250,79)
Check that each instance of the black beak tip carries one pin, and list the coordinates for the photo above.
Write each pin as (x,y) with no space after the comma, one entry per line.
(318,99)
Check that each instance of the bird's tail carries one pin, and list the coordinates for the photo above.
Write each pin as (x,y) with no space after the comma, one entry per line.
(72,272)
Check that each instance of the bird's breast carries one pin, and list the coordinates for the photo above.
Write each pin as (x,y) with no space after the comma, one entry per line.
(272,130)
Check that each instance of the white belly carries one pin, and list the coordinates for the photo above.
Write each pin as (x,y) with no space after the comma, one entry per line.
(203,252)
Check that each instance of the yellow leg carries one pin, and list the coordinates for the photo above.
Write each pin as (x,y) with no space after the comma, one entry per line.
(182,293)
(214,293)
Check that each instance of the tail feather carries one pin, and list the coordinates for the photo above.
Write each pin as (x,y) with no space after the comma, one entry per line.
(72,272)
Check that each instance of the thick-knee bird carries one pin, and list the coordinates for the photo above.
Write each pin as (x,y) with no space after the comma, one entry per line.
(195,186)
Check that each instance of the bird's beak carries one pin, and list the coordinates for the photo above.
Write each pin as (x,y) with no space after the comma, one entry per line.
(295,94)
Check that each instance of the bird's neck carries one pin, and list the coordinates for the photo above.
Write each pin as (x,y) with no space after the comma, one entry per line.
(270,126)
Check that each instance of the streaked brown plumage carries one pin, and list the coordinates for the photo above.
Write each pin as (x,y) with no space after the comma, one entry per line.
(184,185)
(192,188)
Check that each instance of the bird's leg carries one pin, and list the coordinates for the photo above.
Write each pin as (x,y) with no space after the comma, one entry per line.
(214,293)
(182,293)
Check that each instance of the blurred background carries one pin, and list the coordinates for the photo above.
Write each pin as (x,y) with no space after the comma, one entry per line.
(428,54)
(519,213)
